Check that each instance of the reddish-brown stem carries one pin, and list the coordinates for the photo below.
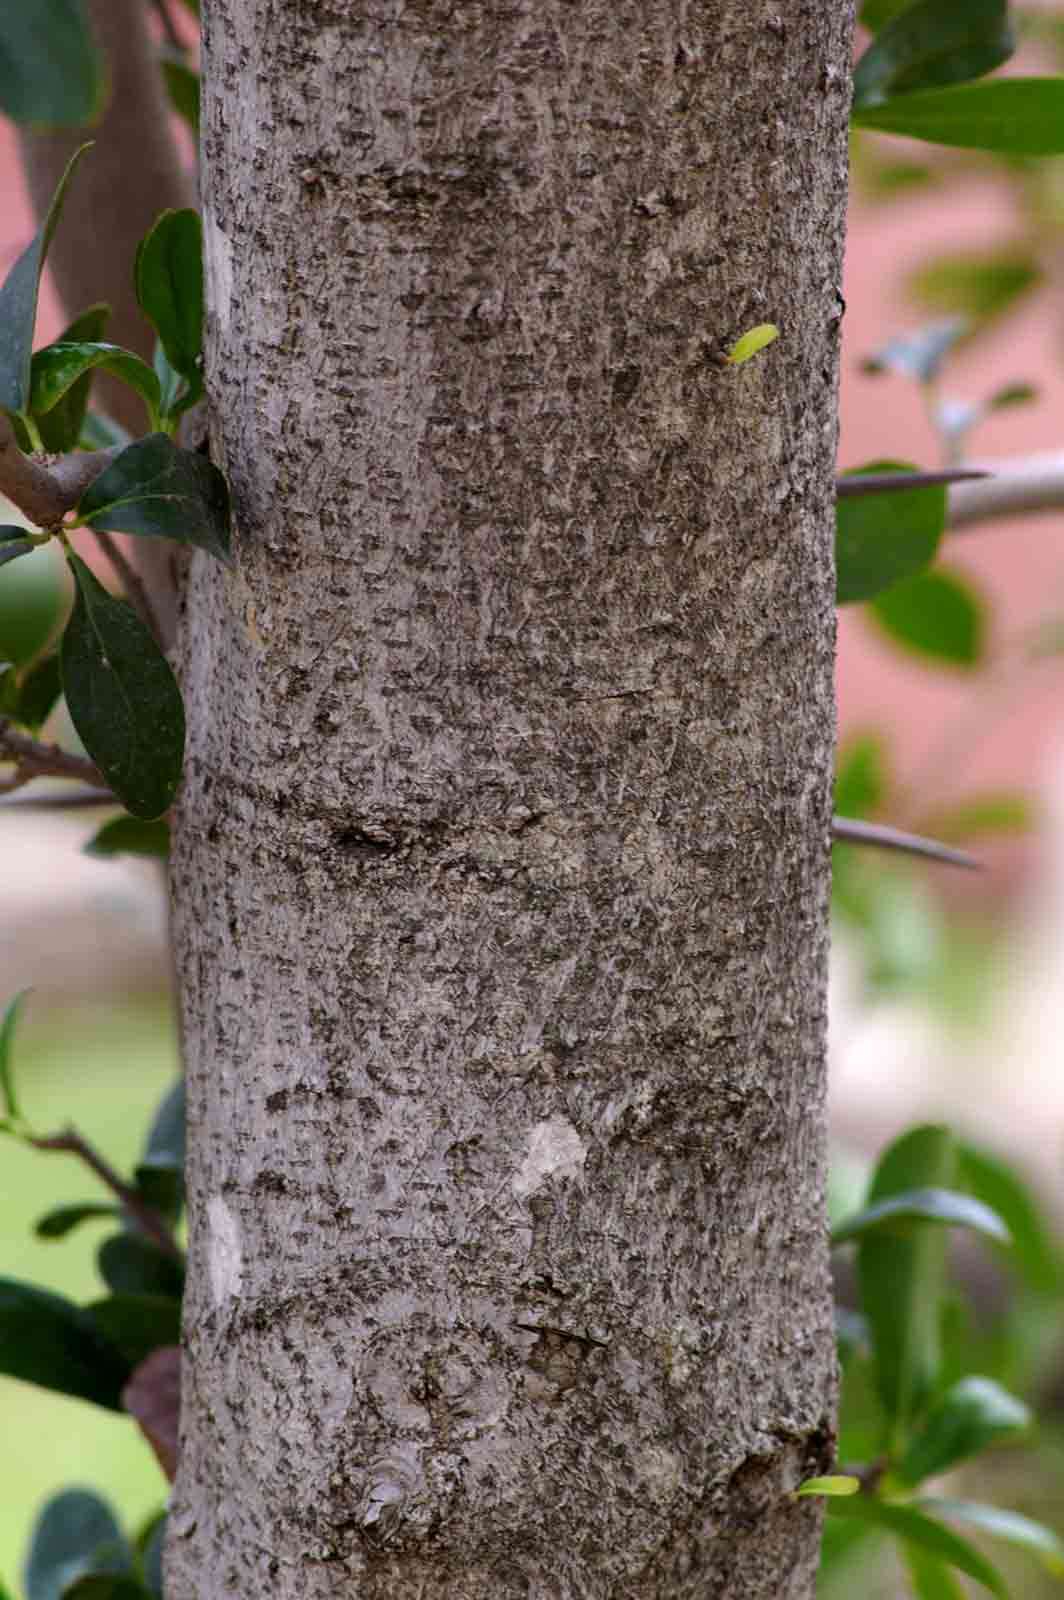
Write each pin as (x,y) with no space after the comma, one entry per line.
(72,1143)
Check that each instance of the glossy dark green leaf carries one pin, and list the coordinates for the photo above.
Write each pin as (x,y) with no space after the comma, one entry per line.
(126,836)
(159,490)
(977,287)
(58,367)
(918,355)
(1011,1526)
(131,1264)
(64,1219)
(875,14)
(38,693)
(915,1527)
(13,543)
(151,1557)
(60,428)
(937,615)
(34,599)
(107,1586)
(76,1533)
(51,74)
(168,275)
(137,1324)
(933,43)
(160,1175)
(18,299)
(1012,116)
(972,1415)
(122,697)
(901,1279)
(1033,1253)
(900,1213)
(183,90)
(9,1105)
(882,538)
(47,1340)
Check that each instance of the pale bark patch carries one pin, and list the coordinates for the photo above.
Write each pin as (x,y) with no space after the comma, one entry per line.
(555,1150)
(225,1255)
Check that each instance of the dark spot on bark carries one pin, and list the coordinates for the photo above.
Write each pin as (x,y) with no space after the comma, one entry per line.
(278,1101)
(269,1182)
(355,841)
(625,384)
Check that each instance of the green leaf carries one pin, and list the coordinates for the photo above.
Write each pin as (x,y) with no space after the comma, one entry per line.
(994,1182)
(58,1223)
(8,1026)
(752,341)
(931,44)
(18,299)
(1011,394)
(183,89)
(14,543)
(47,1340)
(834,1484)
(1011,1526)
(150,1543)
(913,1527)
(126,836)
(901,1278)
(137,1324)
(60,429)
(168,275)
(861,779)
(161,1173)
(8,689)
(931,1578)
(51,74)
(76,1533)
(976,818)
(973,1414)
(132,1264)
(979,288)
(38,693)
(936,615)
(918,355)
(107,1586)
(122,697)
(159,490)
(899,1213)
(882,538)
(1013,116)
(100,432)
(875,14)
(33,601)
(58,367)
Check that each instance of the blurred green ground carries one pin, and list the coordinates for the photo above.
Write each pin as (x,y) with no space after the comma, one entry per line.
(103,1067)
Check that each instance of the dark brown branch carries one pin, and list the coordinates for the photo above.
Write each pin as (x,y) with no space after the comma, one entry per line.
(33,759)
(44,491)
(72,1143)
(851,830)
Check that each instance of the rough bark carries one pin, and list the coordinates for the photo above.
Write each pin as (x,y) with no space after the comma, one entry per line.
(132,173)
(501,868)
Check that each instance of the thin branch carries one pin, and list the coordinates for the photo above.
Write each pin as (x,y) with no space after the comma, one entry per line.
(33,759)
(72,1143)
(1018,486)
(851,830)
(884,482)
(131,581)
(80,799)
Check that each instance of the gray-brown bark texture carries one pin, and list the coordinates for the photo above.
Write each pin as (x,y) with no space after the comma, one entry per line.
(500,873)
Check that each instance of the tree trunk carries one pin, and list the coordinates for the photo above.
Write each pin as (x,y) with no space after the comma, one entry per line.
(500,876)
